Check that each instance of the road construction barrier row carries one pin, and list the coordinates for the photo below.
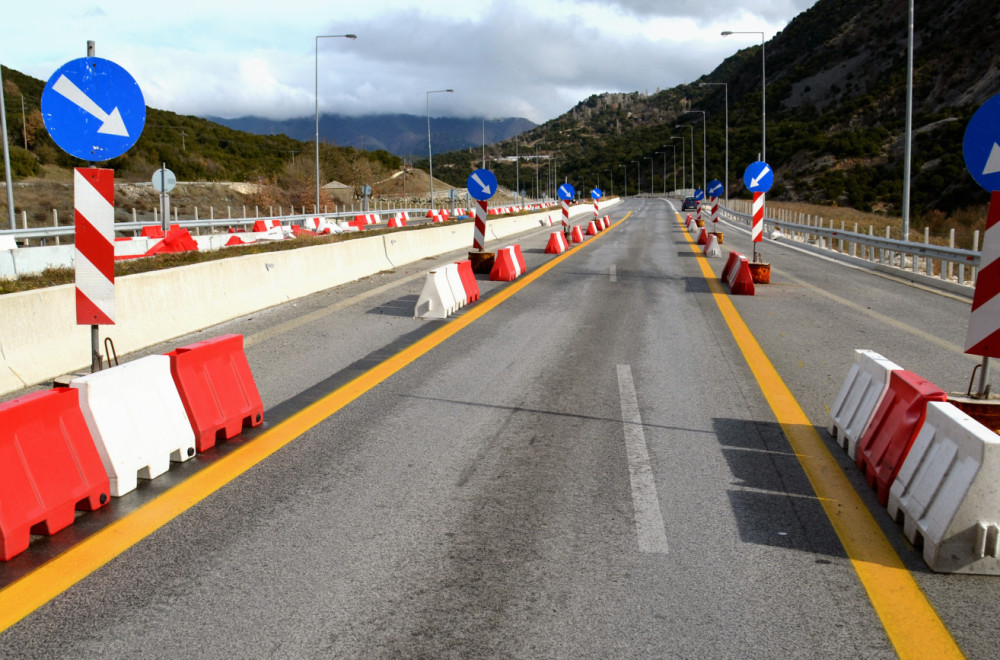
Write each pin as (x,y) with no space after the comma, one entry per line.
(934,467)
(70,448)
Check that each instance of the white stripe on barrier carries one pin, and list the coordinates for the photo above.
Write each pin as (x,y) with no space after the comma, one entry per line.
(859,398)
(455,283)
(137,420)
(436,300)
(946,493)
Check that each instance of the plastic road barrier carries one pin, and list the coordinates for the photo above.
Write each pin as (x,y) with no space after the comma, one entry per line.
(436,300)
(457,288)
(217,389)
(737,275)
(137,420)
(522,266)
(712,248)
(883,447)
(505,267)
(49,467)
(860,396)
(591,229)
(946,493)
(703,236)
(556,244)
(468,281)
(577,235)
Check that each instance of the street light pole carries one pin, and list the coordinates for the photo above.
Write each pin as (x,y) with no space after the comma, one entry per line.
(726,86)
(683,166)
(909,130)
(430,157)
(689,126)
(704,150)
(763,91)
(318,37)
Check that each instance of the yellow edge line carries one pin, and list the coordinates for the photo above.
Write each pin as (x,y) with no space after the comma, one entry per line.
(913,626)
(30,592)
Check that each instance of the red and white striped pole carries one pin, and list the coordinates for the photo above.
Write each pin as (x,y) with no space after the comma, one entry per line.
(715,213)
(597,209)
(983,335)
(757,229)
(94,263)
(565,212)
(479,237)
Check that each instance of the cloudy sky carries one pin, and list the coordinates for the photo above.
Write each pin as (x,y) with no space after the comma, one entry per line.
(528,58)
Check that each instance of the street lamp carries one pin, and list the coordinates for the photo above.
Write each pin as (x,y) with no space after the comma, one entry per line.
(683,166)
(726,85)
(430,158)
(318,37)
(704,150)
(692,151)
(674,147)
(664,153)
(907,146)
(763,88)
(650,159)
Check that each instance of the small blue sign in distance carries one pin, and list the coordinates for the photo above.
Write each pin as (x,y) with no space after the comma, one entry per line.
(699,194)
(715,188)
(981,145)
(758,177)
(597,193)
(93,109)
(567,191)
(482,184)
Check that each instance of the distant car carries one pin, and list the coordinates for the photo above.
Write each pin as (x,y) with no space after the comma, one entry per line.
(689,204)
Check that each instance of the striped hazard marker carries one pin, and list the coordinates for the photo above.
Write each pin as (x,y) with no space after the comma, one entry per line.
(94,209)
(565,212)
(479,237)
(983,336)
(757,228)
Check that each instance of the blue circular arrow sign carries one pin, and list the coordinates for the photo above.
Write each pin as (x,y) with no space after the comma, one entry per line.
(482,184)
(981,145)
(758,177)
(715,188)
(567,191)
(699,194)
(597,193)
(93,109)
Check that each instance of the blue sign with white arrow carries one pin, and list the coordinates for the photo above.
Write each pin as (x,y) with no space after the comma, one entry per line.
(482,184)
(567,191)
(758,177)
(981,145)
(597,193)
(699,194)
(715,188)
(93,109)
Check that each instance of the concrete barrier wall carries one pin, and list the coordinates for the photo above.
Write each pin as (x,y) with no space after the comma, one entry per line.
(39,338)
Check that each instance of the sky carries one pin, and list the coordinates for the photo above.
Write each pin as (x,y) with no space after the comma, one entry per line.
(512,58)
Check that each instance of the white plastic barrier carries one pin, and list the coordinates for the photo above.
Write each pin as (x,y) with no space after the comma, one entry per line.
(455,283)
(859,398)
(436,300)
(947,493)
(712,248)
(137,420)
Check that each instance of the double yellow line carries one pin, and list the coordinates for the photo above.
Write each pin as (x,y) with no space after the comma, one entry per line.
(913,626)
(27,594)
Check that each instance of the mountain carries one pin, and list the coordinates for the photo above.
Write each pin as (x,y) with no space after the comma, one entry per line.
(835,93)
(402,135)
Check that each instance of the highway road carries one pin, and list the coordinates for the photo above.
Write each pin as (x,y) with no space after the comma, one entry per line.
(594,461)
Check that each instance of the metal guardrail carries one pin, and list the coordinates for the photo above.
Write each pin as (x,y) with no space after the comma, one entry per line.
(935,261)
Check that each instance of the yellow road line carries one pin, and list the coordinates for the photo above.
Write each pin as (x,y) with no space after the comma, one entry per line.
(27,594)
(913,626)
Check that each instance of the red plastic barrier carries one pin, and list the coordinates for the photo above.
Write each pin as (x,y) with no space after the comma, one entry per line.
(152,231)
(894,427)
(591,229)
(734,258)
(556,244)
(504,269)
(218,391)
(703,236)
(235,240)
(176,240)
(739,278)
(468,281)
(520,258)
(577,235)
(49,466)
(301,231)
(260,225)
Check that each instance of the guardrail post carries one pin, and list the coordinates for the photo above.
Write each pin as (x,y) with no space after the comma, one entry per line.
(951,244)
(854,245)
(928,262)
(244,211)
(975,248)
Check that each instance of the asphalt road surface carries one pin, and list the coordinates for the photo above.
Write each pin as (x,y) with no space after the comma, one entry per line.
(588,467)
